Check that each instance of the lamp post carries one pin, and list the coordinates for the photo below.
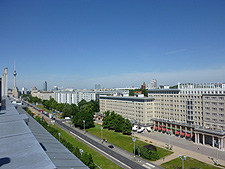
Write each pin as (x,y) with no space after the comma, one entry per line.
(134,139)
(181,157)
(217,145)
(72,120)
(101,134)
(169,134)
(84,125)
(59,135)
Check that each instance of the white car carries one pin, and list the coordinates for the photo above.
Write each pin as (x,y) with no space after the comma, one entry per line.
(141,130)
(148,129)
(135,128)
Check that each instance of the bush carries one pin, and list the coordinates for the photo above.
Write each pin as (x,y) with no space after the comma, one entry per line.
(147,154)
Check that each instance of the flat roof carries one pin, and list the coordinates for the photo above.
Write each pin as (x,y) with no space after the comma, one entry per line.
(58,154)
(130,98)
(30,146)
(19,147)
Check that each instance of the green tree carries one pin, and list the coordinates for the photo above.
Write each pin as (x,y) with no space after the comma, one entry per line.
(67,111)
(82,103)
(127,127)
(118,122)
(145,92)
(131,92)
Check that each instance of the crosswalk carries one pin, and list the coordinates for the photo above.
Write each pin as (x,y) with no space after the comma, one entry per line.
(148,166)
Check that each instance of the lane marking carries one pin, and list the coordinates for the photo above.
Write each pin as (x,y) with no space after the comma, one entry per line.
(146,166)
(150,165)
(100,150)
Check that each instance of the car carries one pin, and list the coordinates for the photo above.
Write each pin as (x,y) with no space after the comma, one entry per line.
(111,146)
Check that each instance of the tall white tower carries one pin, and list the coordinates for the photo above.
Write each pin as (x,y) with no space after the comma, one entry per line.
(15,91)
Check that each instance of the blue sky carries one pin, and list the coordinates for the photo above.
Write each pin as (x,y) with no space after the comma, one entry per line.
(116,43)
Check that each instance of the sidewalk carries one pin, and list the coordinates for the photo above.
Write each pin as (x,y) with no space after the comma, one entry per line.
(177,151)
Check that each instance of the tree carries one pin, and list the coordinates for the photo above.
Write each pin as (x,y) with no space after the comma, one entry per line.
(67,111)
(131,92)
(82,103)
(126,129)
(106,119)
(118,122)
(80,116)
(145,92)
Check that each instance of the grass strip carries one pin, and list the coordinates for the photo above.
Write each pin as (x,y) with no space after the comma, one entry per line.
(123,141)
(99,159)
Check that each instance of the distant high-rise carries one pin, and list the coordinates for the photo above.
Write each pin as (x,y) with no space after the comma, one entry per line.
(5,82)
(97,86)
(153,84)
(45,86)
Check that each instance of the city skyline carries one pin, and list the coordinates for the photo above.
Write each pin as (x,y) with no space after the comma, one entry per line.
(113,43)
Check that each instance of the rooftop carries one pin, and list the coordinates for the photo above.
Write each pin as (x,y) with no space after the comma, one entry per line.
(30,146)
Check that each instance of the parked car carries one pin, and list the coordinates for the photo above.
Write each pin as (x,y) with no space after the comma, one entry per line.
(135,128)
(148,129)
(111,146)
(141,130)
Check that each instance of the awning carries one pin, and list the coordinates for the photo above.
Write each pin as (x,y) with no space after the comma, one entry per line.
(164,129)
(188,135)
(182,134)
(160,128)
(168,130)
(156,128)
(177,132)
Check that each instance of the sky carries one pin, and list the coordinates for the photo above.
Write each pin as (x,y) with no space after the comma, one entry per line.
(115,43)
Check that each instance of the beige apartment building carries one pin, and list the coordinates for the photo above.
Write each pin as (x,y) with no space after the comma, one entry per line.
(136,109)
(193,111)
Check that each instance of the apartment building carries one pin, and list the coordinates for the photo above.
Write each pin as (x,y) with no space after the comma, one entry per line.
(214,114)
(136,109)
(75,96)
(192,111)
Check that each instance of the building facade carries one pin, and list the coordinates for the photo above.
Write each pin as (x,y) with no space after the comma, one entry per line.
(136,109)
(193,111)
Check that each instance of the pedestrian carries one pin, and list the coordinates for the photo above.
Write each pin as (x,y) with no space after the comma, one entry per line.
(198,148)
(163,158)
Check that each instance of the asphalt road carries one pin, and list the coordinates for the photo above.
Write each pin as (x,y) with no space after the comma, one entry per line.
(121,158)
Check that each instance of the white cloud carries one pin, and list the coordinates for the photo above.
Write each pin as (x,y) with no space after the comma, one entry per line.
(176,51)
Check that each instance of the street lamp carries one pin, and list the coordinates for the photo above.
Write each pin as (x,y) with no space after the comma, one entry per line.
(217,145)
(81,152)
(101,134)
(181,157)
(59,135)
(169,134)
(134,139)
(84,125)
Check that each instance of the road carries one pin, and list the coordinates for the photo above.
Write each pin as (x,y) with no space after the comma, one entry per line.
(122,157)
(128,163)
